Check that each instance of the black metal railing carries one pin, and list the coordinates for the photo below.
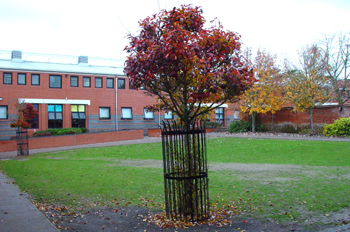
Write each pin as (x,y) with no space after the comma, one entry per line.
(185,171)
(22,142)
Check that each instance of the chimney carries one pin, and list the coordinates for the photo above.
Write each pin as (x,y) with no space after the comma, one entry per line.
(16,56)
(83,60)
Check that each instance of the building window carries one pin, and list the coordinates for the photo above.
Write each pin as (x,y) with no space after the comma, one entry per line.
(55,117)
(105,112)
(35,79)
(236,115)
(168,115)
(3,112)
(121,83)
(21,79)
(34,122)
(7,80)
(219,116)
(147,114)
(130,84)
(110,82)
(55,81)
(74,81)
(98,82)
(78,116)
(87,82)
(219,113)
(126,113)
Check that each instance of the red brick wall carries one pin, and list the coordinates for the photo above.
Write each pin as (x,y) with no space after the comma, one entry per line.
(99,97)
(154,133)
(322,115)
(72,140)
(137,99)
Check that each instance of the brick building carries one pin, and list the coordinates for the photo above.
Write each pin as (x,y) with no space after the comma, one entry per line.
(72,91)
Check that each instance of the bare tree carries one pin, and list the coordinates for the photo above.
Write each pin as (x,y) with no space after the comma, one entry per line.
(337,57)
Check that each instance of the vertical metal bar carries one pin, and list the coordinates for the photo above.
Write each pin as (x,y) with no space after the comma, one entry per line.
(185,171)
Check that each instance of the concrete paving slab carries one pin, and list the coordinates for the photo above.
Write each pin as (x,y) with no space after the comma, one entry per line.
(17,213)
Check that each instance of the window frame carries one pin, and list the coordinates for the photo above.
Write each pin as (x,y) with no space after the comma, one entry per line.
(25,78)
(70,80)
(55,113)
(121,79)
(36,119)
(79,120)
(172,116)
(130,87)
(99,78)
(89,82)
(112,79)
(3,78)
(109,113)
(6,112)
(220,113)
(121,111)
(60,76)
(31,79)
(144,114)
(236,115)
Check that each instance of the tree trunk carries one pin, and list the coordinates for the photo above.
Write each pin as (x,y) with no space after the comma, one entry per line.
(253,122)
(311,121)
(273,124)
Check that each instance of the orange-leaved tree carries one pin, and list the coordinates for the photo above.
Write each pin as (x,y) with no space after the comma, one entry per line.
(307,83)
(265,95)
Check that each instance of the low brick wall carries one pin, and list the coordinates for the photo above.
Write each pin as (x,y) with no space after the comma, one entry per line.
(286,118)
(157,132)
(154,133)
(73,140)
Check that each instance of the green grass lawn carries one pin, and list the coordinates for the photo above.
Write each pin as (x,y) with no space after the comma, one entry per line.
(279,179)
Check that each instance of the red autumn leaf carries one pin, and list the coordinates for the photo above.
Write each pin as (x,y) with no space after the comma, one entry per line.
(175,58)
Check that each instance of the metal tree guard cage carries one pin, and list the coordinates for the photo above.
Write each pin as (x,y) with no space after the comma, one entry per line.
(22,142)
(185,171)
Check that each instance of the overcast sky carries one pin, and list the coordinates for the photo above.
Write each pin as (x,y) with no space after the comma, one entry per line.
(98,28)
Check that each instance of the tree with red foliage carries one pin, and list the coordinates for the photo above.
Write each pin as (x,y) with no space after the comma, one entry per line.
(25,112)
(192,70)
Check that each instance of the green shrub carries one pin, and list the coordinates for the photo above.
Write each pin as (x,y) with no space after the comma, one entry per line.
(239,126)
(340,127)
(212,124)
(307,131)
(61,131)
(242,126)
